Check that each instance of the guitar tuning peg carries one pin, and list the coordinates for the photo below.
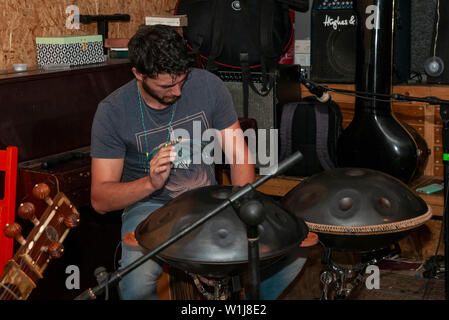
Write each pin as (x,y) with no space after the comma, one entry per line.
(27,211)
(42,191)
(72,220)
(14,230)
(56,249)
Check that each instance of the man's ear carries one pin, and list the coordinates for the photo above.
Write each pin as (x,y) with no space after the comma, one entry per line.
(138,75)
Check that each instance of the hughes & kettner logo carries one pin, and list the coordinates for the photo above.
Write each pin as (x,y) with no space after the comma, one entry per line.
(336,22)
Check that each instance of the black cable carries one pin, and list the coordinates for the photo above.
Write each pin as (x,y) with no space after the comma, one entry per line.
(115,268)
(115,254)
(106,295)
(426,288)
(358,94)
(416,75)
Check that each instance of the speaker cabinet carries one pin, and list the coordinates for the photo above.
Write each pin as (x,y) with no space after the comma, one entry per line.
(265,109)
(402,41)
(440,42)
(334,42)
(261,108)
(422,29)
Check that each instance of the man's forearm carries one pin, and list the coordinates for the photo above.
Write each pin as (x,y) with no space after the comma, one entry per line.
(241,174)
(111,196)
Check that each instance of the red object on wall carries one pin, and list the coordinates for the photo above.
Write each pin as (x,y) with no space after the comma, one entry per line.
(8,164)
(289,55)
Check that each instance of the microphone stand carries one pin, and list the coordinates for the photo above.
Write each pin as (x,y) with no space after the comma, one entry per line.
(444,113)
(250,212)
(320,92)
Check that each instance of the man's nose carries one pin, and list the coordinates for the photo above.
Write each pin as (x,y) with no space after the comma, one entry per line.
(176,90)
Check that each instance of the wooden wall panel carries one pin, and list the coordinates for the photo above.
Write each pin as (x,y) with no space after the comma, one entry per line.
(21,21)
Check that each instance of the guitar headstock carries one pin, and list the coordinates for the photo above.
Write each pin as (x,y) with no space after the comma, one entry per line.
(43,243)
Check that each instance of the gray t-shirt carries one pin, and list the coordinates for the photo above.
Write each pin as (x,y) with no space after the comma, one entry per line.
(123,128)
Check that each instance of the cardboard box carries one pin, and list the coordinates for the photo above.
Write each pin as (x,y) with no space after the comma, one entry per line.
(174,21)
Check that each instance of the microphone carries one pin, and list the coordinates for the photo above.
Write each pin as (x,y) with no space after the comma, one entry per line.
(91,294)
(101,274)
(320,92)
(102,277)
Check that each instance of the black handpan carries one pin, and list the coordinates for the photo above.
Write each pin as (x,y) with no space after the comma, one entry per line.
(219,247)
(356,209)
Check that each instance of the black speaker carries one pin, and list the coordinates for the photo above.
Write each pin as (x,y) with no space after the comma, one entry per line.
(422,29)
(440,43)
(265,109)
(334,42)
(401,41)
(261,108)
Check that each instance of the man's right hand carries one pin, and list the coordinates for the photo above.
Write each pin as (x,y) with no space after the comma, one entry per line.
(160,167)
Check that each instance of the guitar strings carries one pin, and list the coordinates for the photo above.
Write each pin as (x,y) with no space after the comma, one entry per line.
(7,289)
(11,291)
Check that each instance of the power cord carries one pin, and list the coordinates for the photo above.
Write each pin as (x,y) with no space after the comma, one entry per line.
(433,263)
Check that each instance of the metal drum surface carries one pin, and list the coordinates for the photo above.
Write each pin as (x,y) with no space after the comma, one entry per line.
(357,209)
(218,247)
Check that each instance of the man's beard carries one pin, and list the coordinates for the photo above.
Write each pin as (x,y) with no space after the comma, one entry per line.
(166,100)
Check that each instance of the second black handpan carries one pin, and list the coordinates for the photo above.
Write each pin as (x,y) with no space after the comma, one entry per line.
(219,247)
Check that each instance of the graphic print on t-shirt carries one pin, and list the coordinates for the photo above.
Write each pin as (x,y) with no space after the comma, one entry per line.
(185,173)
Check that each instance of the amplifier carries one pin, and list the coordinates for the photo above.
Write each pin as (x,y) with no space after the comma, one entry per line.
(62,173)
(336,4)
(266,109)
(260,108)
(334,41)
(263,109)
(440,43)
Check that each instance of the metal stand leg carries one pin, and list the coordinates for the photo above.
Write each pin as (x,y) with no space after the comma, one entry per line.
(342,281)
(444,112)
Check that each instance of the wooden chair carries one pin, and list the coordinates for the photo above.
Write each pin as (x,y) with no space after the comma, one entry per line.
(8,164)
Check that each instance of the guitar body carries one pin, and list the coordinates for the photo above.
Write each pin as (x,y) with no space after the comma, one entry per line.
(381,142)
(375,139)
(43,243)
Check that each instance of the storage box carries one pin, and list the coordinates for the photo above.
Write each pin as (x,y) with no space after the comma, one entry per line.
(70,50)
(173,21)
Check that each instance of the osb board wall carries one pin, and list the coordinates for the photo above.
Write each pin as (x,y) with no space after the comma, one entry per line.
(21,21)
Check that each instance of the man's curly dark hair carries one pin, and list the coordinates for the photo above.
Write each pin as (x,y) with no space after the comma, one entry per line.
(159,49)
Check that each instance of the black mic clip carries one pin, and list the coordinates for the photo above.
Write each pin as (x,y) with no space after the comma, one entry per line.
(102,277)
(320,92)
